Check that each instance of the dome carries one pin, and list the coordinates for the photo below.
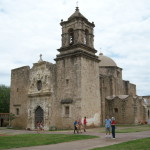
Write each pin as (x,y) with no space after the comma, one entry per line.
(106,61)
(76,14)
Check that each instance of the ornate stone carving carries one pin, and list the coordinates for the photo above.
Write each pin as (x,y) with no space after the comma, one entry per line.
(46,112)
(33,104)
(39,73)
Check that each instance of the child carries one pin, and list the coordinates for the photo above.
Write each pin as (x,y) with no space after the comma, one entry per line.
(79,125)
(75,126)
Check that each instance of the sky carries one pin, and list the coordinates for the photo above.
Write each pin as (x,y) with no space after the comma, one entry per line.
(29,28)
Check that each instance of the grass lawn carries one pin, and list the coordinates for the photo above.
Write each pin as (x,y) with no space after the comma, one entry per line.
(133,129)
(128,128)
(141,144)
(25,140)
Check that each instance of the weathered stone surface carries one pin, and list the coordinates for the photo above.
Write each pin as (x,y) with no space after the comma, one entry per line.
(79,84)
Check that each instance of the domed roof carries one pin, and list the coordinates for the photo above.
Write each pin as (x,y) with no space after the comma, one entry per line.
(106,61)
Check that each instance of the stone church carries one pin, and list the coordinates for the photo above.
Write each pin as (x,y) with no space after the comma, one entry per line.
(79,84)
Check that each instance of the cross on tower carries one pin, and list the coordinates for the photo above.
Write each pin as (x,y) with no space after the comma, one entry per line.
(40,58)
(100,52)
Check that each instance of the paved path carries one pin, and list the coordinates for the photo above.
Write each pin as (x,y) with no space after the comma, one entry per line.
(82,144)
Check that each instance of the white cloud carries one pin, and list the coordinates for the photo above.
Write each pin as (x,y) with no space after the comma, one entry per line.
(31,27)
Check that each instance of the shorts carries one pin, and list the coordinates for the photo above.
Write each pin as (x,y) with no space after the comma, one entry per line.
(108,129)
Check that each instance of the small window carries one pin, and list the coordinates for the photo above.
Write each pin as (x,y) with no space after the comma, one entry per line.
(67,81)
(67,110)
(17,111)
(148,113)
(17,89)
(116,110)
(39,85)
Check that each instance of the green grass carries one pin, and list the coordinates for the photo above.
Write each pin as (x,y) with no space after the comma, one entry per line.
(141,144)
(25,140)
(128,128)
(133,129)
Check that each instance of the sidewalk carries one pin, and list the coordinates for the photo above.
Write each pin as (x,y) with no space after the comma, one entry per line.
(82,144)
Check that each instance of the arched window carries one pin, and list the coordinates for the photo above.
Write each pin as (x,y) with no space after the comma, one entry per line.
(71,36)
(39,85)
(86,37)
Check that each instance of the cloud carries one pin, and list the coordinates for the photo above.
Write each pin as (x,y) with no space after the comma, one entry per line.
(31,27)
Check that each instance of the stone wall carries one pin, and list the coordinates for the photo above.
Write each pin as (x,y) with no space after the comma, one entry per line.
(112,84)
(126,109)
(140,110)
(18,95)
(111,71)
(77,88)
(90,104)
(68,87)
(147,103)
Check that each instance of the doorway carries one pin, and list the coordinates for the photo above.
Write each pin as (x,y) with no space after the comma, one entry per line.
(39,115)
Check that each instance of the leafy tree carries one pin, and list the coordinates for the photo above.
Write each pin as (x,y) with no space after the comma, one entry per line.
(4,99)
(11,117)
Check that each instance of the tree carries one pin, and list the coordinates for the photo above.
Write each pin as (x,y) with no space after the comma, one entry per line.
(4,99)
(11,117)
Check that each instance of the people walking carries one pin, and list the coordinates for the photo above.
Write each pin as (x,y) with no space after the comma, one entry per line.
(84,123)
(113,124)
(79,125)
(75,126)
(107,126)
(41,126)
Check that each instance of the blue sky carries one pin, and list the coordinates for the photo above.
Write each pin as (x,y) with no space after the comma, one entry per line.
(29,28)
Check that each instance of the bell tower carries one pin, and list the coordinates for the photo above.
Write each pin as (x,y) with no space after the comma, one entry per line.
(77,72)
(77,32)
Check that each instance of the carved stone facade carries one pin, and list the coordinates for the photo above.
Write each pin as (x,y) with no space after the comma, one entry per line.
(79,84)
